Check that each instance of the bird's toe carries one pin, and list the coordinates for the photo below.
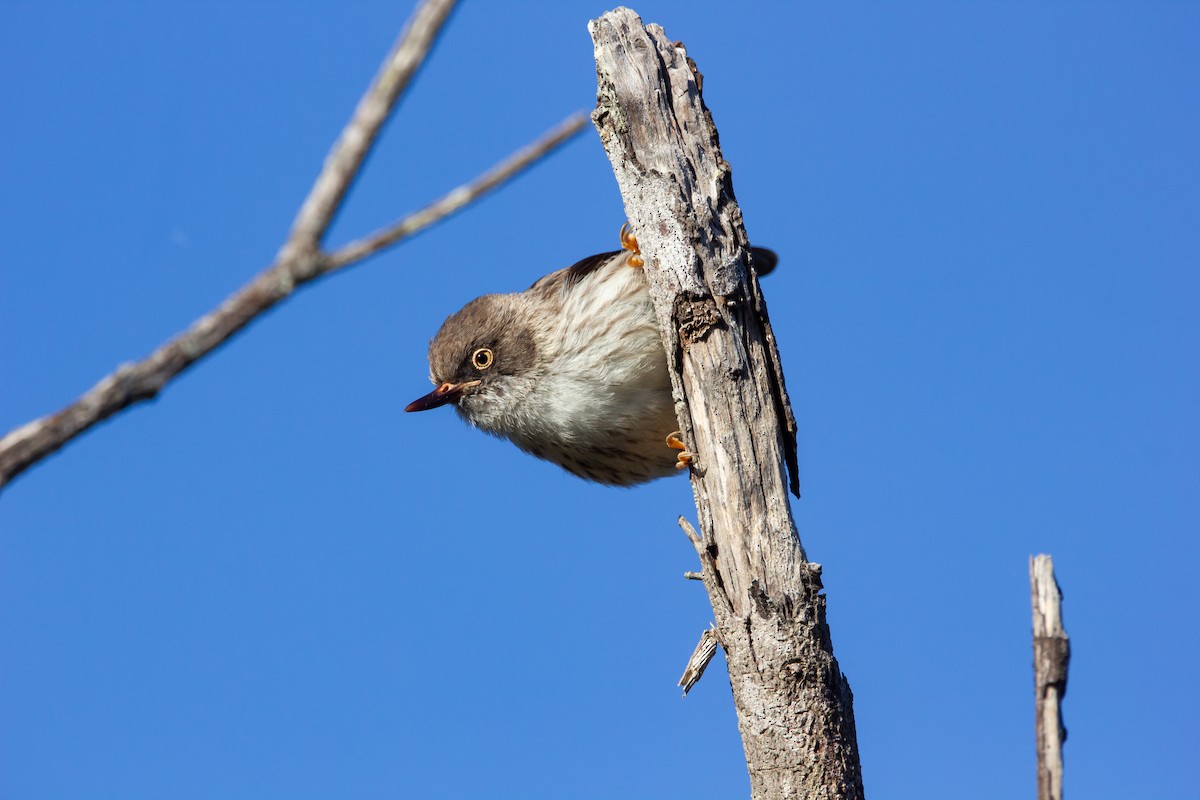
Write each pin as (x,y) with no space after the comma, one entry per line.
(629,242)
(684,457)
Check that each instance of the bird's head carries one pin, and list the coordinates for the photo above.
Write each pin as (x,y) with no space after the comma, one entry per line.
(483,360)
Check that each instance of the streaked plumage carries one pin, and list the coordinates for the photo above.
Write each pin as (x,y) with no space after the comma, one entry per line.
(576,373)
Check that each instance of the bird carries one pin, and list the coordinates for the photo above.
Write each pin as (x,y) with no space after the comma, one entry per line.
(572,370)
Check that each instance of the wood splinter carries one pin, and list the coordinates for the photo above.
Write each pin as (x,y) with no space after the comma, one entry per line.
(706,648)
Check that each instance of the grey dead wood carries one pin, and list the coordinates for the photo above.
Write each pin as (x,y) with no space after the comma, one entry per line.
(794,706)
(300,260)
(1051,657)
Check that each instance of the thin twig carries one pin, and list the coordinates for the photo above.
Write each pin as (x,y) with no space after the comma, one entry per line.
(455,199)
(345,159)
(298,262)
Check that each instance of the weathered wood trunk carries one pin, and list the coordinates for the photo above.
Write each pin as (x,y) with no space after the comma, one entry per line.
(793,703)
(1051,656)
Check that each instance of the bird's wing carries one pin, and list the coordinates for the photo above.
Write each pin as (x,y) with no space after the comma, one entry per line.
(564,279)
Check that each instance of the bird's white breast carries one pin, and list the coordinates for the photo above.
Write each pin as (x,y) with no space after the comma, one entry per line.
(601,404)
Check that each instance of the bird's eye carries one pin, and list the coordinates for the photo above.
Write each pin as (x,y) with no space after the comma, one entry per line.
(482,358)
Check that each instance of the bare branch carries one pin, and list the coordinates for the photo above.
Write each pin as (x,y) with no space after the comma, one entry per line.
(1051,656)
(345,159)
(455,199)
(298,262)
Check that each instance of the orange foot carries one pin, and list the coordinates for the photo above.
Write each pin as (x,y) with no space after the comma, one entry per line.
(685,456)
(629,242)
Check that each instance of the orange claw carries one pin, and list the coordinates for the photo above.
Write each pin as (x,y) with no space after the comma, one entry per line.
(685,456)
(629,242)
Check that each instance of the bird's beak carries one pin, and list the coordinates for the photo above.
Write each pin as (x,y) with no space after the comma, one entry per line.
(446,393)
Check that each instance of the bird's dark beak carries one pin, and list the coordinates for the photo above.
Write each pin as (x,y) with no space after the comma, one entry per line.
(446,393)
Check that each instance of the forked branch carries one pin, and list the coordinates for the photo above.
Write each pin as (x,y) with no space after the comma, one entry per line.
(299,261)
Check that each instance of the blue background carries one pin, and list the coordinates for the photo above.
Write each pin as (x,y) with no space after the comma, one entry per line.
(271,583)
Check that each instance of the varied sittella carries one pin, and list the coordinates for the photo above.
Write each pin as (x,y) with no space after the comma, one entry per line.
(571,370)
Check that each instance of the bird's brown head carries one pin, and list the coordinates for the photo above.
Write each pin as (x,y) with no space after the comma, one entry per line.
(481,357)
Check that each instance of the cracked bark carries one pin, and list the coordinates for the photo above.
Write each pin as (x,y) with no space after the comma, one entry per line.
(794,705)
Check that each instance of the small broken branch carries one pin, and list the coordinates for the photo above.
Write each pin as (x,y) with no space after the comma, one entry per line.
(299,261)
(1051,657)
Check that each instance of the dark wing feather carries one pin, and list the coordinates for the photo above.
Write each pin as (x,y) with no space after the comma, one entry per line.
(581,269)
(764,263)
(566,278)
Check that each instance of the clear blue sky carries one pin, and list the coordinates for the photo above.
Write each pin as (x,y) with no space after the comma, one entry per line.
(272,583)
